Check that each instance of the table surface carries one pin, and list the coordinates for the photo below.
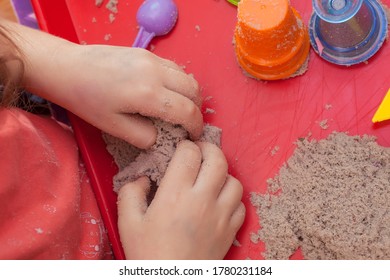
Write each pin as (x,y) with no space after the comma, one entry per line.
(260,120)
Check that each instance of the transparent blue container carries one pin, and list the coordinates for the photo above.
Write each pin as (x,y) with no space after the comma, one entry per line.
(346,32)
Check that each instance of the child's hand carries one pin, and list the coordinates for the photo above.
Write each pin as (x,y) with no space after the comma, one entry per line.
(195,213)
(120,86)
(113,88)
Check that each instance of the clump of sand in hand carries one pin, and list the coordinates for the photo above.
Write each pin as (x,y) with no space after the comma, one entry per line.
(134,163)
(331,199)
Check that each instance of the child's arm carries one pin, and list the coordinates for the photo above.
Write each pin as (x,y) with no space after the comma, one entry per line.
(110,87)
(195,214)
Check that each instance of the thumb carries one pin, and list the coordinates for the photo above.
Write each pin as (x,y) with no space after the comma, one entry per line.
(132,203)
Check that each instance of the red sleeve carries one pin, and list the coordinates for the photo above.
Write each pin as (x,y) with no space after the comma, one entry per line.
(48,210)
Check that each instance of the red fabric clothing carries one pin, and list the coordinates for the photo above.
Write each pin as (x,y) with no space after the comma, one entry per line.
(47,207)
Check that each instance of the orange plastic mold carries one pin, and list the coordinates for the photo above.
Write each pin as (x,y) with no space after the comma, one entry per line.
(271,42)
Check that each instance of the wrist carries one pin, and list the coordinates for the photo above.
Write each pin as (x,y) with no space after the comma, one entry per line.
(45,59)
(46,65)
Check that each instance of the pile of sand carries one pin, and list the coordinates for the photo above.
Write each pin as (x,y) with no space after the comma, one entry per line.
(331,199)
(134,163)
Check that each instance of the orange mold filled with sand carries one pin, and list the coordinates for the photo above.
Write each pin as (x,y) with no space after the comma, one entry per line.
(271,41)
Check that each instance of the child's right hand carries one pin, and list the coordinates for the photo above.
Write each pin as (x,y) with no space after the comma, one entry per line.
(195,213)
(121,88)
(117,89)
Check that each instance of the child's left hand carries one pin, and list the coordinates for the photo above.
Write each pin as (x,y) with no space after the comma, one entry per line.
(196,211)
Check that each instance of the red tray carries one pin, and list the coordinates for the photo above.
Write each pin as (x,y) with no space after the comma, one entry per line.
(255,116)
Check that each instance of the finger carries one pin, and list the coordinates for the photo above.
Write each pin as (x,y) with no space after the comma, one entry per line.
(183,84)
(170,64)
(134,129)
(238,217)
(213,172)
(182,170)
(171,107)
(132,203)
(231,194)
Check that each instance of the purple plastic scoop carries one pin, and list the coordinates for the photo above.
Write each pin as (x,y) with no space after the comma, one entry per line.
(155,18)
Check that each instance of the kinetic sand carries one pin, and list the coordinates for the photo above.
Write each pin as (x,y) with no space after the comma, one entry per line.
(331,199)
(134,163)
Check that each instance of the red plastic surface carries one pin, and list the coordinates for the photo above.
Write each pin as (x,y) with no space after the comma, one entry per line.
(256,117)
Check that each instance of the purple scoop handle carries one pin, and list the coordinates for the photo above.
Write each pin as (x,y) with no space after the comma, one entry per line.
(143,38)
(155,18)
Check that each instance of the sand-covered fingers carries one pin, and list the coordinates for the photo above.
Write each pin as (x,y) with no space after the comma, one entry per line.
(169,106)
(217,187)
(182,170)
(183,214)
(132,81)
(133,128)
(171,76)
(238,217)
(132,204)
(230,194)
(170,64)
(214,170)
(229,205)
(183,84)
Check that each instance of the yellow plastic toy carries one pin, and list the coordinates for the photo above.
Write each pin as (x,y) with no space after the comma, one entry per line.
(383,111)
